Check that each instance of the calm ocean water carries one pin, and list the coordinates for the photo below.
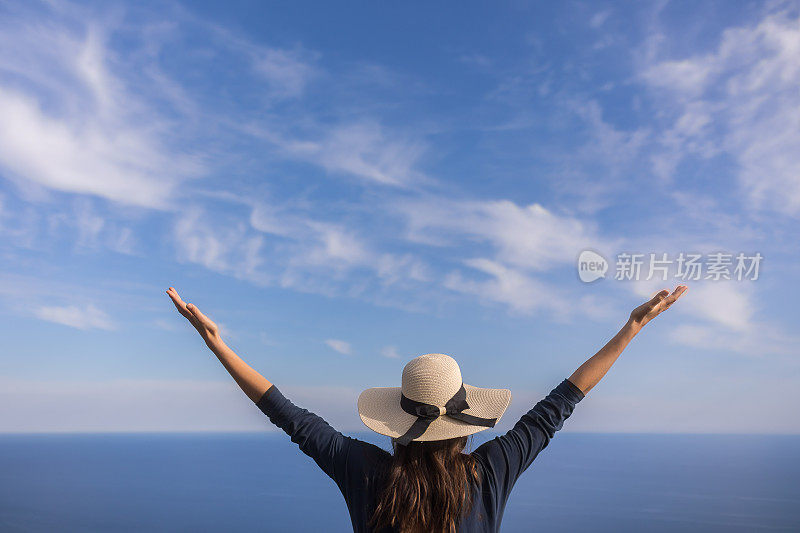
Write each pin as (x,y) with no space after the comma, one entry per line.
(238,482)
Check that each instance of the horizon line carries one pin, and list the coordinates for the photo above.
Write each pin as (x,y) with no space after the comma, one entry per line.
(277,432)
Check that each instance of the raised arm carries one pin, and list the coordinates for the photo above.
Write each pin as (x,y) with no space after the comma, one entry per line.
(315,437)
(251,382)
(506,457)
(592,371)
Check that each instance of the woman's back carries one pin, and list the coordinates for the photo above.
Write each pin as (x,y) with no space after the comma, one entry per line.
(359,468)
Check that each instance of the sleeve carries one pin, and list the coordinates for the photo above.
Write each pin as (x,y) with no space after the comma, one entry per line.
(315,437)
(508,456)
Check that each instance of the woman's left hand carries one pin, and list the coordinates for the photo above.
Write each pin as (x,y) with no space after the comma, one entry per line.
(655,306)
(204,325)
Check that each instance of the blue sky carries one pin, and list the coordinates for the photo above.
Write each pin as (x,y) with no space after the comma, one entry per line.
(344,187)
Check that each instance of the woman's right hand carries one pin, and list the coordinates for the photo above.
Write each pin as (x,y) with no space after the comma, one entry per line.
(252,383)
(656,305)
(204,325)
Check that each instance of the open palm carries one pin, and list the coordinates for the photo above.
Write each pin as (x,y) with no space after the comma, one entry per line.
(656,305)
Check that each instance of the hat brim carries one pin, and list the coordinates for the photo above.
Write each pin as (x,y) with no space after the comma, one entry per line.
(379,409)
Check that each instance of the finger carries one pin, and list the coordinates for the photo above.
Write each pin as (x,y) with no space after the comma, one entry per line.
(658,303)
(197,313)
(176,299)
(659,295)
(180,304)
(679,290)
(658,298)
(174,294)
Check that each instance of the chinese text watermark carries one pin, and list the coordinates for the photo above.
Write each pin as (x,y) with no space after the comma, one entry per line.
(683,266)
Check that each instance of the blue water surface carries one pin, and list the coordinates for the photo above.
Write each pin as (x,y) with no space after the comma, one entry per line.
(261,482)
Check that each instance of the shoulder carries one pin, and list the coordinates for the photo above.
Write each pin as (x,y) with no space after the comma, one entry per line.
(366,466)
(488,454)
(368,452)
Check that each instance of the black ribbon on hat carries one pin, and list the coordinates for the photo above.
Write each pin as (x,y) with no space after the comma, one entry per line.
(427,413)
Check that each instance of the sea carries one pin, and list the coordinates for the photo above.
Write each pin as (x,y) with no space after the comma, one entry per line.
(262,482)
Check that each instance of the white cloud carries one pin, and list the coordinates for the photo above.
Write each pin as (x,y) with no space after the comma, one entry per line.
(725,317)
(364,149)
(288,72)
(283,246)
(340,346)
(390,352)
(86,317)
(89,226)
(89,118)
(599,18)
(686,76)
(600,148)
(97,230)
(522,242)
(275,218)
(508,286)
(336,246)
(229,248)
(330,258)
(729,304)
(722,302)
(740,99)
(332,247)
(612,147)
(69,123)
(79,222)
(80,155)
(755,340)
(529,237)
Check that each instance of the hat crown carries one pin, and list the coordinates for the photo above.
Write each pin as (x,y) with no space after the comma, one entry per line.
(431,378)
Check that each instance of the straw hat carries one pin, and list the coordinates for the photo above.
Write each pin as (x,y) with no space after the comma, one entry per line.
(433,403)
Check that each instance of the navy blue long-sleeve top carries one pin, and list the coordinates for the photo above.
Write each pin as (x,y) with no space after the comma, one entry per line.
(355,465)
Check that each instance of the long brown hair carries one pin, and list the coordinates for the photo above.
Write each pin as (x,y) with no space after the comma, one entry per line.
(427,487)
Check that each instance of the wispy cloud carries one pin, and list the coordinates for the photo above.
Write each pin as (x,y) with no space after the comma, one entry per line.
(82,223)
(724,315)
(738,100)
(509,286)
(599,18)
(755,340)
(229,248)
(364,150)
(343,347)
(83,115)
(281,246)
(390,352)
(86,317)
(527,236)
(726,303)
(69,122)
(288,72)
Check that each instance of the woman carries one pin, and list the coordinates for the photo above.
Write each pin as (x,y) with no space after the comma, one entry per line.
(427,484)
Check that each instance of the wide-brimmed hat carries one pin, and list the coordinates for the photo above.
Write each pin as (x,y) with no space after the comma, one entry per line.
(432,404)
